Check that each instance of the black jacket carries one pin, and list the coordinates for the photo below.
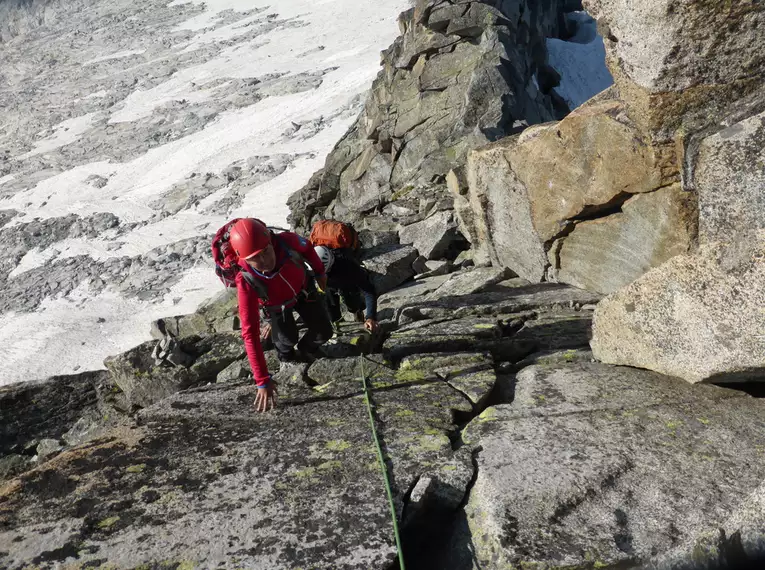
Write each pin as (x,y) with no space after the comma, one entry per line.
(346,275)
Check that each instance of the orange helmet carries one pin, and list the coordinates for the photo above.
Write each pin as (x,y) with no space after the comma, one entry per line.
(249,236)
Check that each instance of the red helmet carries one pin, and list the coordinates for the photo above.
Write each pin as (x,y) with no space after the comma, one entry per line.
(249,236)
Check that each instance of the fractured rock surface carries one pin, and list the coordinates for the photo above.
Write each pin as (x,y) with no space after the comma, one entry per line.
(587,201)
(698,317)
(220,484)
(593,464)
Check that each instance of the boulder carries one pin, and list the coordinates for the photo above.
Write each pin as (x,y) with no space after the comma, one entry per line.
(527,191)
(434,269)
(470,281)
(219,314)
(48,447)
(608,253)
(697,316)
(144,383)
(388,304)
(682,64)
(601,466)
(730,182)
(370,238)
(234,372)
(431,237)
(389,265)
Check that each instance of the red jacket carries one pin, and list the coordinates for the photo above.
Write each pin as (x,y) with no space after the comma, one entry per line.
(283,285)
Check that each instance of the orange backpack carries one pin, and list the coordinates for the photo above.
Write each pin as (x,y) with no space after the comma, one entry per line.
(334,235)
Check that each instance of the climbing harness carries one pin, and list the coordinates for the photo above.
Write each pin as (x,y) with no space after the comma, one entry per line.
(383,467)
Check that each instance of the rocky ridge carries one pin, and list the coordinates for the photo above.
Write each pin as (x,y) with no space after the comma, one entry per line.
(478,376)
(507,444)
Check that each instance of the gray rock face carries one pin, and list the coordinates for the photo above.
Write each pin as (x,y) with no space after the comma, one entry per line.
(27,407)
(205,468)
(507,337)
(730,181)
(389,265)
(429,106)
(594,464)
(494,300)
(470,373)
(145,383)
(42,418)
(471,281)
(432,236)
(697,317)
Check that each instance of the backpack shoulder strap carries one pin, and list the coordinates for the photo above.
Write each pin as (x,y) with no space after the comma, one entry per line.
(294,255)
(257,285)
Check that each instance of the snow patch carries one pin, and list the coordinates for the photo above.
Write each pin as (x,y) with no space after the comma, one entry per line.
(65,336)
(64,133)
(118,55)
(580,61)
(33,259)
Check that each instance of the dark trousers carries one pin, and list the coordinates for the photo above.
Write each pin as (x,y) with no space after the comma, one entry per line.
(351,298)
(284,330)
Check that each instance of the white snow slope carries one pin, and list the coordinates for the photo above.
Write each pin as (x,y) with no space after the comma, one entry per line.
(333,45)
(580,61)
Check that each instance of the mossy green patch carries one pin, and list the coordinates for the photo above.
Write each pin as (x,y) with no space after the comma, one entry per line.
(321,388)
(432,442)
(488,415)
(569,355)
(704,421)
(136,468)
(404,413)
(305,473)
(409,375)
(484,326)
(330,465)
(401,192)
(107,523)
(337,445)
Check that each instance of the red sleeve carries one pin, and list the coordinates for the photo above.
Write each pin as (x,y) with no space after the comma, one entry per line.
(249,316)
(305,248)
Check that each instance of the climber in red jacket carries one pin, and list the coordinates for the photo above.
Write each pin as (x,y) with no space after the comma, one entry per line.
(274,276)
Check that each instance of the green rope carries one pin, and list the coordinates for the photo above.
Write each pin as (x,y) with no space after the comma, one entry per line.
(383,467)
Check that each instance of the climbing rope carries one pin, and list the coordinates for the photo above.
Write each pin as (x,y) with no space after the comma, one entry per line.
(383,467)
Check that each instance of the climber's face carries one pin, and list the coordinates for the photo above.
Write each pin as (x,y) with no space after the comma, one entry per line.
(263,261)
